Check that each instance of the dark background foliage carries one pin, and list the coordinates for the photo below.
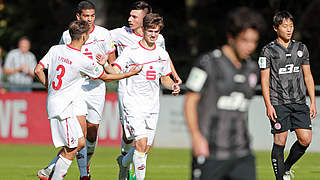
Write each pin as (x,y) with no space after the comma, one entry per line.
(192,27)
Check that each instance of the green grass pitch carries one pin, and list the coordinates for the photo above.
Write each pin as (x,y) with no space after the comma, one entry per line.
(21,162)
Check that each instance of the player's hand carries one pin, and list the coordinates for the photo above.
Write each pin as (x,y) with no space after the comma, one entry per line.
(271,113)
(200,146)
(313,111)
(102,59)
(177,80)
(176,89)
(135,69)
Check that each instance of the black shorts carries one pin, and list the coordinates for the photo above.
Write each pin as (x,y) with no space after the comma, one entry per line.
(290,117)
(240,168)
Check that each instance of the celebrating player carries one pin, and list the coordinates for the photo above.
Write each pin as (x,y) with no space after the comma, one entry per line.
(285,76)
(128,37)
(141,96)
(66,109)
(220,86)
(99,42)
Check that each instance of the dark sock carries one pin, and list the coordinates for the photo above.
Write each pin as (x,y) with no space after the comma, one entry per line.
(296,152)
(277,161)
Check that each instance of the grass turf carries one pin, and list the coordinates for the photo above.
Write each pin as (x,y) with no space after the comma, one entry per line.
(21,162)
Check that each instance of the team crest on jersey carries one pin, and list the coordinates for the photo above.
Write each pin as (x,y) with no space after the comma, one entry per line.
(299,53)
(277,126)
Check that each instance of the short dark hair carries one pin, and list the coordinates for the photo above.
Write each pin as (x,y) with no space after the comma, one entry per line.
(243,18)
(77,28)
(141,5)
(83,5)
(280,16)
(153,20)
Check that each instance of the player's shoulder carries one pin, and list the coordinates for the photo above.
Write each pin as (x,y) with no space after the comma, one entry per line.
(208,58)
(298,43)
(100,28)
(160,38)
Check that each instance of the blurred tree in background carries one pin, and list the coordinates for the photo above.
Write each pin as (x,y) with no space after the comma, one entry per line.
(192,27)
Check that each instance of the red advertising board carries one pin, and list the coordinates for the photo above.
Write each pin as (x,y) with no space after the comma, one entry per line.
(23,119)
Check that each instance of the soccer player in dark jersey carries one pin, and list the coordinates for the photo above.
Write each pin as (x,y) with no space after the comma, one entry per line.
(220,85)
(285,76)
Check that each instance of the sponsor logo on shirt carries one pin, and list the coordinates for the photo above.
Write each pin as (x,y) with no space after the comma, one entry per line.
(290,68)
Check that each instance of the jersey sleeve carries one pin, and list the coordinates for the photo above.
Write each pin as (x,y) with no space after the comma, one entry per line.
(92,69)
(264,59)
(198,74)
(45,61)
(161,41)
(110,48)
(166,69)
(123,60)
(305,56)
(115,34)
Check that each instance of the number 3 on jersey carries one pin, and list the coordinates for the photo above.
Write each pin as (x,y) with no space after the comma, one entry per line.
(59,77)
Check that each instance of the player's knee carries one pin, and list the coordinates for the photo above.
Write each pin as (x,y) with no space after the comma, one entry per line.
(305,141)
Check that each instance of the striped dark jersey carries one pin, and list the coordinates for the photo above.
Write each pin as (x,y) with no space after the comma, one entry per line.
(286,76)
(222,108)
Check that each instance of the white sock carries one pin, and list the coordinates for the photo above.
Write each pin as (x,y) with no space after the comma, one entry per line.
(91,146)
(140,164)
(82,161)
(54,160)
(127,159)
(125,148)
(61,168)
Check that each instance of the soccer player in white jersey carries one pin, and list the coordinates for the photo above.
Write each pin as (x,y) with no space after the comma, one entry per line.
(99,42)
(128,37)
(141,97)
(66,110)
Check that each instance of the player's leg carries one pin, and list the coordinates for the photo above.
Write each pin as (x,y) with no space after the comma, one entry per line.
(92,138)
(302,125)
(140,158)
(279,129)
(44,173)
(66,133)
(82,153)
(126,144)
(95,105)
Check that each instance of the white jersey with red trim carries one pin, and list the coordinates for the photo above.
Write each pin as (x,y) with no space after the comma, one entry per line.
(99,42)
(142,90)
(67,68)
(125,37)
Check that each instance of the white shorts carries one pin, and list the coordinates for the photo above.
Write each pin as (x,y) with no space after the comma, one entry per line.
(65,132)
(140,125)
(95,108)
(94,96)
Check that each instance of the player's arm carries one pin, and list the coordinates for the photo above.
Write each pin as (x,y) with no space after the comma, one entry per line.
(113,77)
(168,83)
(175,74)
(200,145)
(308,79)
(265,78)
(40,75)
